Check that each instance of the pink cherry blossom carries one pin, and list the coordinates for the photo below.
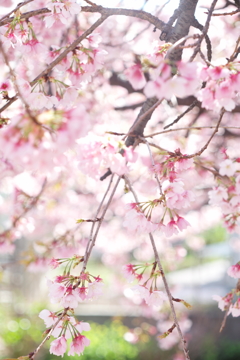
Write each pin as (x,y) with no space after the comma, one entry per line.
(155,88)
(234,271)
(70,8)
(171,228)
(95,289)
(48,317)
(182,223)
(141,290)
(156,298)
(56,291)
(54,263)
(183,164)
(81,292)
(136,222)
(6,3)
(235,309)
(82,326)
(227,167)
(70,299)
(217,195)
(78,344)
(223,302)
(129,272)
(38,100)
(135,76)
(58,346)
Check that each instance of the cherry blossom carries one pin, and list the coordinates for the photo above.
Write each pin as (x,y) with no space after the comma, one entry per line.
(234,271)
(58,346)
(95,289)
(223,302)
(135,76)
(136,222)
(70,299)
(78,344)
(235,309)
(49,317)
(156,298)
(56,291)
(129,272)
(68,113)
(227,167)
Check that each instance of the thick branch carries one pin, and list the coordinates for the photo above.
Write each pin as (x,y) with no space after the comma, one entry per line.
(185,16)
(101,10)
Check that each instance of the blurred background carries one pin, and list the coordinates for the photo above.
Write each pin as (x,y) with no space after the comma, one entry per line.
(120,328)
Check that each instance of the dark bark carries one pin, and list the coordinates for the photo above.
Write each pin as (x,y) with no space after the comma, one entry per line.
(184,17)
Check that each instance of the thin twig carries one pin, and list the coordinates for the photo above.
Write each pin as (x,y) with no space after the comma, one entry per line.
(225,317)
(181,115)
(204,31)
(228,13)
(180,41)
(157,259)
(102,218)
(167,152)
(198,153)
(34,353)
(97,213)
(93,238)
(186,128)
(153,164)
(16,8)
(235,52)
(90,3)
(174,130)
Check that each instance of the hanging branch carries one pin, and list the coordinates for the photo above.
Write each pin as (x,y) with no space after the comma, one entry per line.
(169,295)
(97,215)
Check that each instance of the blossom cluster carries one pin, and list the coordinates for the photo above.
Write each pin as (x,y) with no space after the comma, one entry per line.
(97,154)
(174,197)
(151,294)
(225,303)
(69,291)
(227,194)
(222,82)
(66,327)
(61,11)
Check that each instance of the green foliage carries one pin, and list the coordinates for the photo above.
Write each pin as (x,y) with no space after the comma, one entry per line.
(215,235)
(226,350)
(107,343)
(19,335)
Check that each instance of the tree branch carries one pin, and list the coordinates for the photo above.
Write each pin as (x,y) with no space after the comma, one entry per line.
(60,57)
(140,14)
